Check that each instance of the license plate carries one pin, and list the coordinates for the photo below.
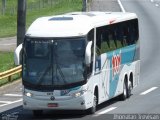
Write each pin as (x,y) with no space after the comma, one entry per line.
(52,105)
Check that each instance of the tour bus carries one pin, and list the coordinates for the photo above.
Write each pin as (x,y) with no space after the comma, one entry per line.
(78,60)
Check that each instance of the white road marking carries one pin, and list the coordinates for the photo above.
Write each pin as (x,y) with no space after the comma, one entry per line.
(105,111)
(121,6)
(6,102)
(13,95)
(11,102)
(148,91)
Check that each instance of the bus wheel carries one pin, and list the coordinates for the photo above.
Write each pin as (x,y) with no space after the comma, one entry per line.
(92,110)
(37,112)
(123,96)
(129,90)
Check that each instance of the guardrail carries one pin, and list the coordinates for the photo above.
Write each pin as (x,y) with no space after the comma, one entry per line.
(10,72)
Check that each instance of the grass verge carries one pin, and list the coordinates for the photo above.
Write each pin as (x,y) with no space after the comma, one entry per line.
(8,22)
(6,81)
(6,63)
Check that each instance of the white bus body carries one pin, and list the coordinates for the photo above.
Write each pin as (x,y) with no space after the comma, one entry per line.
(77,60)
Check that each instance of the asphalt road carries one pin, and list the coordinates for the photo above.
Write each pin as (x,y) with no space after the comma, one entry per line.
(105,5)
(8,44)
(145,98)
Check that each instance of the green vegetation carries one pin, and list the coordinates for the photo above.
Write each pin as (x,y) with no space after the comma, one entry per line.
(6,63)
(2,82)
(13,78)
(35,9)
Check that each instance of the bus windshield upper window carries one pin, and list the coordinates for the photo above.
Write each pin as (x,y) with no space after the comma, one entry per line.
(54,62)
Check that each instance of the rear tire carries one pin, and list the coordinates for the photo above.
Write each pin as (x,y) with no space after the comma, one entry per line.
(129,90)
(37,112)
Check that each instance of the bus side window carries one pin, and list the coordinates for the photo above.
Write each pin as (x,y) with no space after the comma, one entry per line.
(129,34)
(115,36)
(119,36)
(105,45)
(125,34)
(103,40)
(107,39)
(112,38)
(98,40)
(131,31)
(135,30)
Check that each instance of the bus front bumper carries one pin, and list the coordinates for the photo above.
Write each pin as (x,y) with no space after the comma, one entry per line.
(70,104)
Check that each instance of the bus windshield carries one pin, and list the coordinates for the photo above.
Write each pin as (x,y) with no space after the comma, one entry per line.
(53,62)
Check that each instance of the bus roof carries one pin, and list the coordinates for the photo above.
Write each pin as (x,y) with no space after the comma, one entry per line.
(74,24)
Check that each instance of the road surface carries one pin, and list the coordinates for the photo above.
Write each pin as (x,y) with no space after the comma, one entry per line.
(8,44)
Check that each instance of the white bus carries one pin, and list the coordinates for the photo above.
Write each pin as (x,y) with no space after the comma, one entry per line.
(78,60)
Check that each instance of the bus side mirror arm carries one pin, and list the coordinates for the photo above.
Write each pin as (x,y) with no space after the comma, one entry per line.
(88,54)
(17,55)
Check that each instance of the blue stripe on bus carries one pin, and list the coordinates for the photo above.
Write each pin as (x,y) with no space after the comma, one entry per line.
(127,57)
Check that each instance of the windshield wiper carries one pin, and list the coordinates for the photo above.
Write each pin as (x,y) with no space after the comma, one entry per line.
(59,68)
(61,73)
(40,80)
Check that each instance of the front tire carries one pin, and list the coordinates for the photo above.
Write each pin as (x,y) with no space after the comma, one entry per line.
(92,110)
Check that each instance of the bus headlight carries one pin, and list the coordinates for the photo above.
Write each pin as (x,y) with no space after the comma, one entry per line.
(28,94)
(79,93)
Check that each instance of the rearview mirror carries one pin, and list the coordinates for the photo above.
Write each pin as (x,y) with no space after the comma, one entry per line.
(88,53)
(17,55)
